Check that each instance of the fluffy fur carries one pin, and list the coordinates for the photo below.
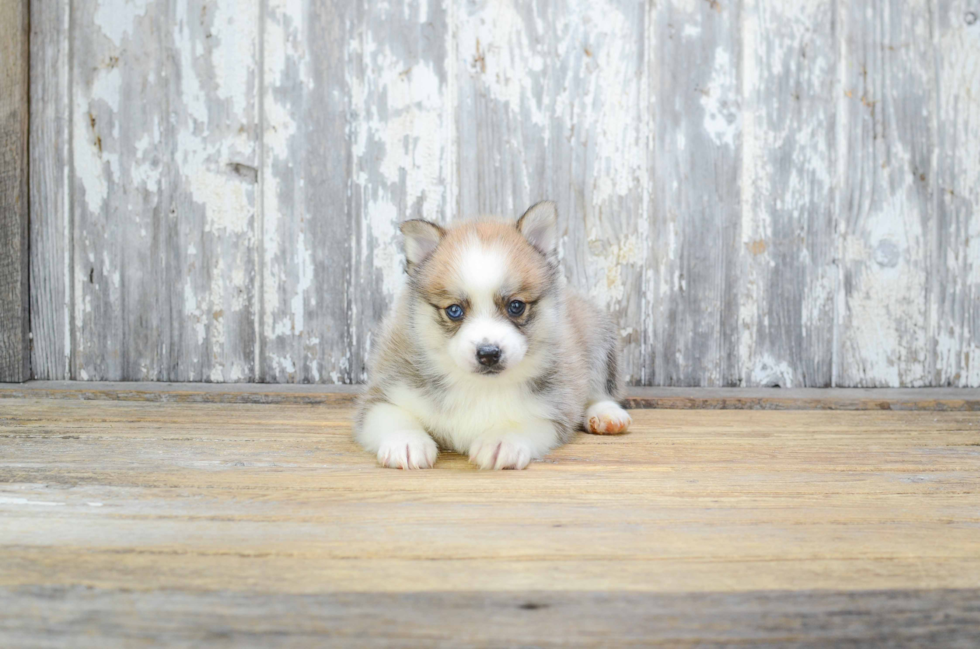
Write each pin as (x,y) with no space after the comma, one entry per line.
(557,369)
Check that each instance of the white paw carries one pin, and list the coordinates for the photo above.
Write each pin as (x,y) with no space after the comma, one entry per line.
(407,449)
(507,453)
(607,418)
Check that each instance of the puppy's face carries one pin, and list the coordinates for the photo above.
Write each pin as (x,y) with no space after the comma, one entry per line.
(484,291)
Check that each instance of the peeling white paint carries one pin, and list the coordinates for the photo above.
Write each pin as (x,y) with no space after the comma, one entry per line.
(494,43)
(613,259)
(572,84)
(232,50)
(767,371)
(400,111)
(116,19)
(887,311)
(720,101)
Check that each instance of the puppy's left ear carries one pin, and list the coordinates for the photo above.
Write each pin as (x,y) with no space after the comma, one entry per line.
(421,238)
(539,225)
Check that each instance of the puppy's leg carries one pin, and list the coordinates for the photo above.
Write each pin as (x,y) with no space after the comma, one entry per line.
(396,437)
(514,449)
(603,414)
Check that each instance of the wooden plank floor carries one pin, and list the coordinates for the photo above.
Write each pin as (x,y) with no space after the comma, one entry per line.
(135,523)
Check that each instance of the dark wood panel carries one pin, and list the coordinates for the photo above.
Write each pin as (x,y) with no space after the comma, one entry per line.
(93,617)
(14,110)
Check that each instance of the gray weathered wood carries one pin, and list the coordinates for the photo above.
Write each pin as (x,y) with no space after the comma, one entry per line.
(122,149)
(695,245)
(165,164)
(955,276)
(50,158)
(760,194)
(787,276)
(305,232)
(213,96)
(886,216)
(92,617)
(14,109)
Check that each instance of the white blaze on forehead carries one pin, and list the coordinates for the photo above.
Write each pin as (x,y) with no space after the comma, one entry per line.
(482,271)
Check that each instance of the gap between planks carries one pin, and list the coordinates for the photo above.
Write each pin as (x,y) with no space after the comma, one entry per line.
(937,399)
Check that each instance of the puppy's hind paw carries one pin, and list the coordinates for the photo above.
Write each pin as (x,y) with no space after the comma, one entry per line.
(408,449)
(607,418)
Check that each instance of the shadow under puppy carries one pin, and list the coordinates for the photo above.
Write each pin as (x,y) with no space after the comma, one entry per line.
(487,351)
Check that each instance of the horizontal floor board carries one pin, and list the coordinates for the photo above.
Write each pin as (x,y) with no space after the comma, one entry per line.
(90,617)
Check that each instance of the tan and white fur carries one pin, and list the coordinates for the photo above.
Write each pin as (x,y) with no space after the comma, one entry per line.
(502,383)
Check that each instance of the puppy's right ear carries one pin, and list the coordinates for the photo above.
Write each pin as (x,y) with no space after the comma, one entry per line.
(421,238)
(539,225)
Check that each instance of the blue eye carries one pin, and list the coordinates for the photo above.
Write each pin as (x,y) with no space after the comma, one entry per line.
(454,311)
(516,308)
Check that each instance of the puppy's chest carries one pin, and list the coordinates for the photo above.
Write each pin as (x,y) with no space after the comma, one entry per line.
(465,411)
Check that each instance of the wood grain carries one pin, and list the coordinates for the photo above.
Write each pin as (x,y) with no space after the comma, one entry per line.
(50,202)
(694,244)
(164,160)
(87,617)
(788,275)
(213,96)
(760,195)
(306,237)
(955,276)
(207,511)
(887,214)
(14,165)
(121,194)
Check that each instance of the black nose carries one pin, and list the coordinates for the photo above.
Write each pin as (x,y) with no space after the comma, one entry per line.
(488,355)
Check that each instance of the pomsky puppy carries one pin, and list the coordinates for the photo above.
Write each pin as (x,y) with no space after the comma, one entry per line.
(487,352)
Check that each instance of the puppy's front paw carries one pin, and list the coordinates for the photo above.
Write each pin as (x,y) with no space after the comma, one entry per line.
(607,418)
(504,453)
(407,449)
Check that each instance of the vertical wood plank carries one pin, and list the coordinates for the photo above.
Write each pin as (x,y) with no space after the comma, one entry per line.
(50,161)
(956,270)
(506,63)
(402,135)
(164,172)
(306,230)
(214,94)
(121,187)
(788,277)
(886,215)
(14,107)
(119,94)
(695,242)
(554,105)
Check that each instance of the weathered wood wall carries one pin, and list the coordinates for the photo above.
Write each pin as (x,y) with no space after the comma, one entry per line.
(14,112)
(762,192)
